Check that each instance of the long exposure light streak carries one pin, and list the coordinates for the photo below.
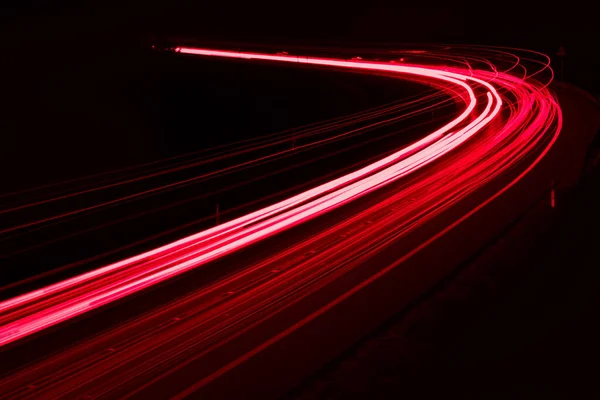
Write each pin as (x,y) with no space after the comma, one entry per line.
(40,309)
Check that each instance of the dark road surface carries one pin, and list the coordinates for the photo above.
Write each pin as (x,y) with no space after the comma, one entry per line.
(518,320)
(260,361)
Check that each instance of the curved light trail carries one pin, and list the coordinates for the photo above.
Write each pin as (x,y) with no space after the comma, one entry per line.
(510,118)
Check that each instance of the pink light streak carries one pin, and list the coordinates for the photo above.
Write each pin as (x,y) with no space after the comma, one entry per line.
(40,309)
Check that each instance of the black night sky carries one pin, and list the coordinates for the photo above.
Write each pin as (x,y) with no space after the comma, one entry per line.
(59,56)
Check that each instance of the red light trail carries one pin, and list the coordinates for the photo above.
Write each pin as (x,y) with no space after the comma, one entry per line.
(506,121)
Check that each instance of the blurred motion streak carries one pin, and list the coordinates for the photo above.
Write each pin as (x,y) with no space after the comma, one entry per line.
(506,123)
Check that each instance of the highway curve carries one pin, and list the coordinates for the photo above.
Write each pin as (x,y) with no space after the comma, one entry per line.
(313,272)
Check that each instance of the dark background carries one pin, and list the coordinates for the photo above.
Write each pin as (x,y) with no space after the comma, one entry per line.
(76,80)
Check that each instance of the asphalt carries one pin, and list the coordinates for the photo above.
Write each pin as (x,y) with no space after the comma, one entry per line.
(283,364)
(518,320)
(271,370)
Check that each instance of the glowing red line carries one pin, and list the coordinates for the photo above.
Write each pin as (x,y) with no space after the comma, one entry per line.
(206,380)
(34,311)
